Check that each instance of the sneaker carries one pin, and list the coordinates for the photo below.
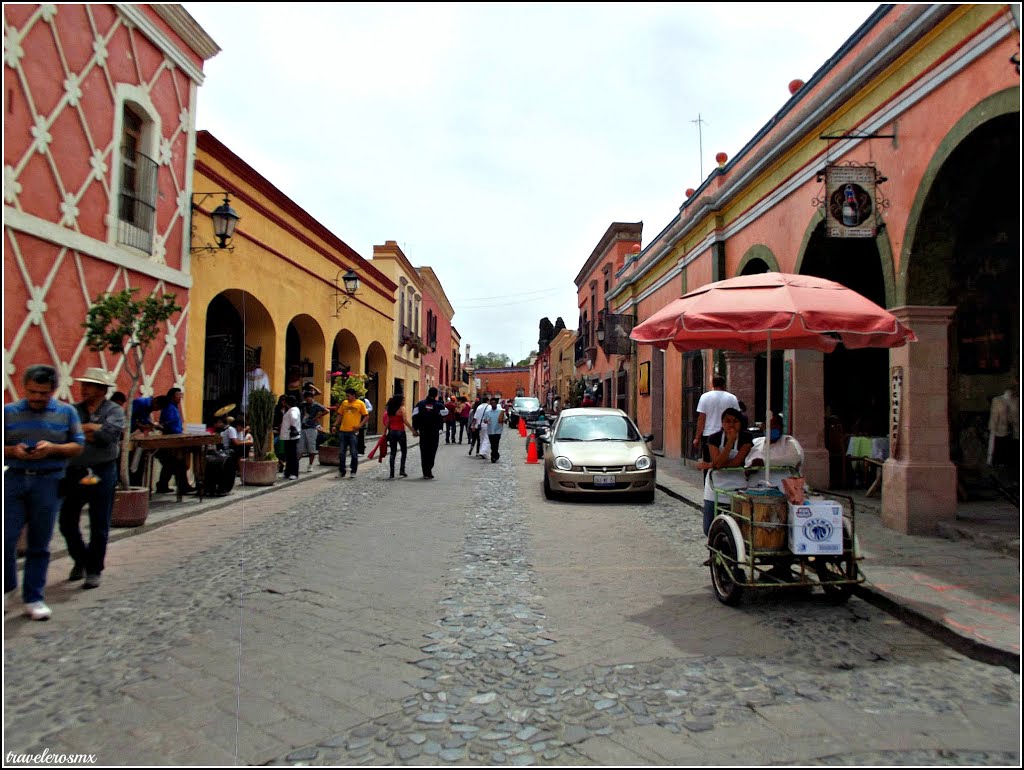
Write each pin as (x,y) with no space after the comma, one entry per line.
(290,478)
(91,581)
(77,573)
(403,474)
(38,611)
(165,490)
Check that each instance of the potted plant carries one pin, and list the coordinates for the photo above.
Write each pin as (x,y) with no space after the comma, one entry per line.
(120,324)
(261,468)
(329,453)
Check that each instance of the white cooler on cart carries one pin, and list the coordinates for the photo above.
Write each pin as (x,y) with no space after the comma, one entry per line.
(816,527)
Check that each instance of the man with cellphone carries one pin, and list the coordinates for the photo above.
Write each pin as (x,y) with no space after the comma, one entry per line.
(40,435)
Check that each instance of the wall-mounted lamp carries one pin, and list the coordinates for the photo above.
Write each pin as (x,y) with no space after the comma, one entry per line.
(224,219)
(344,291)
(600,333)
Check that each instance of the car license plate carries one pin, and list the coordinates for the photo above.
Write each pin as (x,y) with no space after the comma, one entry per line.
(604,481)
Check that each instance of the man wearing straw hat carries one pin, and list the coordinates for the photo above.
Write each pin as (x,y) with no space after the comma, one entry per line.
(92,477)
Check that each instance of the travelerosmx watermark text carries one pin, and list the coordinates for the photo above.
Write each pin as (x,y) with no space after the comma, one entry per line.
(47,757)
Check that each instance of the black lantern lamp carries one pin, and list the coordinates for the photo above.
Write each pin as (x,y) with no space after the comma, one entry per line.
(344,291)
(224,220)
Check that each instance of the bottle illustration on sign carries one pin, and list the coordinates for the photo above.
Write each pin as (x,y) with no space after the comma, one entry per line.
(851,214)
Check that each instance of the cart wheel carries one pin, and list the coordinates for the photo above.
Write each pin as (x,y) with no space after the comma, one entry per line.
(838,568)
(726,574)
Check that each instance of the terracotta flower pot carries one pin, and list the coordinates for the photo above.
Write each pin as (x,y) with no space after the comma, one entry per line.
(131,507)
(259,473)
(329,455)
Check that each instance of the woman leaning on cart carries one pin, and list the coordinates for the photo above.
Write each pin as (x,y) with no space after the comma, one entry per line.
(728,448)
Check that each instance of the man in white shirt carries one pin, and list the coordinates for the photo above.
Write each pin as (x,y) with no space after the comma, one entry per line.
(709,414)
(481,425)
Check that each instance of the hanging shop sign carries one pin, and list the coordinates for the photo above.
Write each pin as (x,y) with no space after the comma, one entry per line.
(850,201)
(895,399)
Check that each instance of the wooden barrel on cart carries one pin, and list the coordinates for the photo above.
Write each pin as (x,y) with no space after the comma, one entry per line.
(768,511)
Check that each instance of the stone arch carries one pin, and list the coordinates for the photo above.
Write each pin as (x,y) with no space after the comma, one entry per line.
(757,257)
(375,366)
(922,253)
(345,351)
(305,347)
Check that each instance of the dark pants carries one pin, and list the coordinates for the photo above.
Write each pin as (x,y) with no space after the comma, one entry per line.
(429,439)
(463,426)
(348,442)
(32,502)
(495,439)
(362,441)
(449,432)
(291,457)
(100,499)
(171,466)
(474,440)
(396,439)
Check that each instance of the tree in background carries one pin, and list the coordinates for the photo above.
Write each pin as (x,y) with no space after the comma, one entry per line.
(526,361)
(491,361)
(559,325)
(547,333)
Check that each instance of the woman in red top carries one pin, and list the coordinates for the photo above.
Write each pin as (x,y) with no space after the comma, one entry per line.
(465,408)
(395,425)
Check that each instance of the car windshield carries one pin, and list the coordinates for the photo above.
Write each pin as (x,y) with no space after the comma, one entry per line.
(527,404)
(595,427)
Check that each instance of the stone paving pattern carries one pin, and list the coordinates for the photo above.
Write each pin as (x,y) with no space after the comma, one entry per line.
(368,622)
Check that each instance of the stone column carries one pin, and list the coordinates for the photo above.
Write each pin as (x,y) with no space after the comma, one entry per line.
(919,482)
(808,419)
(739,378)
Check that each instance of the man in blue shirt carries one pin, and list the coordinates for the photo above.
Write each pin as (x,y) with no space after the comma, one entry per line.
(171,463)
(40,434)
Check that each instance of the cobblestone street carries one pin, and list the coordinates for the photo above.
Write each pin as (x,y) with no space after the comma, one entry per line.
(468,621)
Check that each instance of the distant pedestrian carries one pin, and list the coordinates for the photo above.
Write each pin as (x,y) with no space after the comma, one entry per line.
(427,419)
(465,408)
(362,430)
(395,426)
(350,416)
(481,427)
(312,420)
(92,477)
(451,420)
(172,464)
(40,435)
(289,433)
(710,407)
(494,419)
(472,428)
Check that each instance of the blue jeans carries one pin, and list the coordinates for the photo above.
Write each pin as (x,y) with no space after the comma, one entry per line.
(31,502)
(709,515)
(346,442)
(100,498)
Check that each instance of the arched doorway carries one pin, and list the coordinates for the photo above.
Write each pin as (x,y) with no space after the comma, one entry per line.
(345,355)
(693,387)
(856,382)
(304,349)
(239,330)
(757,262)
(375,368)
(966,255)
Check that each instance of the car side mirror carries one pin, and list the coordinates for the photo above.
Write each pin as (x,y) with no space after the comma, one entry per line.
(649,438)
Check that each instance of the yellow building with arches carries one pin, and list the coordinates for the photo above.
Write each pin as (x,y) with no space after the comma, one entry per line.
(277,297)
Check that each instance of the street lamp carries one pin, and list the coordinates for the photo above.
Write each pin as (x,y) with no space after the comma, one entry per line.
(224,219)
(344,291)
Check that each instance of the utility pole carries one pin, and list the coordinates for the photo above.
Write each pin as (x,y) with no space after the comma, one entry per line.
(700,143)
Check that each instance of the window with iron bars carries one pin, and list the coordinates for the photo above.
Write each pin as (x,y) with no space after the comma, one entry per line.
(137,196)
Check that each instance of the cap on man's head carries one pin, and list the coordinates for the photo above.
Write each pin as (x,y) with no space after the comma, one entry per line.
(96,376)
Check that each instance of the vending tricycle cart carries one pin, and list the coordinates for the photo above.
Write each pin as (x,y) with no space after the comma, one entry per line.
(759,539)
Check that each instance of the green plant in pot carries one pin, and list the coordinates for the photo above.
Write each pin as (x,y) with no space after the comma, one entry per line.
(261,470)
(120,324)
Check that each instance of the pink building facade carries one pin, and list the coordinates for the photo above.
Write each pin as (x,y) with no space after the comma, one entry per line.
(99,146)
(925,101)
(436,370)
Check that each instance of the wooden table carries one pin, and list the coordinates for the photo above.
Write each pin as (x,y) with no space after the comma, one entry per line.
(183,444)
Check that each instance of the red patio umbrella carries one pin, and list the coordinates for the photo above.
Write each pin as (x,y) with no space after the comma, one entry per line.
(750,313)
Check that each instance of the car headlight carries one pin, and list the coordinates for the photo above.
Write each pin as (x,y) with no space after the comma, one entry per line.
(643,462)
(563,463)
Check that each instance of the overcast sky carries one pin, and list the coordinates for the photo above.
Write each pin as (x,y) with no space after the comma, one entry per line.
(496,142)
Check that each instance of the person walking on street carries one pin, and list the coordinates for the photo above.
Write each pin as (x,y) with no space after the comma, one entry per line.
(474,430)
(451,420)
(40,435)
(91,478)
(362,430)
(481,427)
(494,418)
(427,417)
(710,407)
(465,408)
(396,424)
(349,418)
(289,433)
(312,414)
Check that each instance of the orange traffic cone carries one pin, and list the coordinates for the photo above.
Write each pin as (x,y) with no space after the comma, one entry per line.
(531,450)
(522,427)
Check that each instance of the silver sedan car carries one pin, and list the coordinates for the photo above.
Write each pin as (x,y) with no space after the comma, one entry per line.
(595,451)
